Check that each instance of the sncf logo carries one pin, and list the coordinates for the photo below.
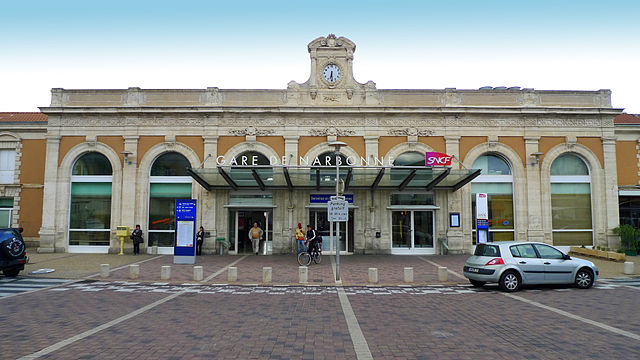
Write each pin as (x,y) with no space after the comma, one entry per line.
(437,159)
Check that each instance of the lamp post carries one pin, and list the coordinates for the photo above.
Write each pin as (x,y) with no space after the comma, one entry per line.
(336,146)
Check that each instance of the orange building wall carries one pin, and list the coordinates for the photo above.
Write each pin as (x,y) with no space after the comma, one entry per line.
(437,143)
(147,142)
(517,144)
(547,143)
(227,142)
(196,143)
(31,211)
(116,143)
(356,143)
(275,142)
(386,143)
(627,162)
(595,145)
(66,143)
(33,161)
(305,143)
(469,142)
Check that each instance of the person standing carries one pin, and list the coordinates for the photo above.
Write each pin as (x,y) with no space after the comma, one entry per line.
(136,236)
(199,241)
(255,234)
(300,238)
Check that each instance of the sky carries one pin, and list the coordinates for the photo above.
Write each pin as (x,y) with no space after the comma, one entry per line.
(188,44)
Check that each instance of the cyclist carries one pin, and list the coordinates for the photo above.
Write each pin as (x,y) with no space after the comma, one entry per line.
(312,239)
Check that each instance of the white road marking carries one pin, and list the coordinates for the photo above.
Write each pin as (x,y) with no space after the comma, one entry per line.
(223,269)
(22,286)
(357,337)
(437,265)
(59,345)
(577,317)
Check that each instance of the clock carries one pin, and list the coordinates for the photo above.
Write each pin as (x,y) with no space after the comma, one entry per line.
(331,73)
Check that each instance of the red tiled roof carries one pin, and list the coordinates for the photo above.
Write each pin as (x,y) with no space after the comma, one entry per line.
(627,119)
(22,117)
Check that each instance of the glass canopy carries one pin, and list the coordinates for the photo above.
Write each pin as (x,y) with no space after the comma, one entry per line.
(275,177)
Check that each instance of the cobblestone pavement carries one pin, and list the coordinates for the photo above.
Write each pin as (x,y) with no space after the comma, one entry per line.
(153,320)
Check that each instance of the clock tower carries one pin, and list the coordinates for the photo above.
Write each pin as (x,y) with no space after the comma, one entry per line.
(331,79)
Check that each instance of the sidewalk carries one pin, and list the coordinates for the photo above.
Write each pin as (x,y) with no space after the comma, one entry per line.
(353,268)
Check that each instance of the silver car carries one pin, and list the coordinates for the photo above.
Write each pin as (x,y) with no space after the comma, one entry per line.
(512,264)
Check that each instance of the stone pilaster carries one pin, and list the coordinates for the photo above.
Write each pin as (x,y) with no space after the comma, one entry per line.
(611,191)
(291,149)
(129,171)
(534,230)
(208,199)
(455,236)
(48,229)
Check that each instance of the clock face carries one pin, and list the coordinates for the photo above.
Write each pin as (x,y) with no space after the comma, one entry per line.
(331,73)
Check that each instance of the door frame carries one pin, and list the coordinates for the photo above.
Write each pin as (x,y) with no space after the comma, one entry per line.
(268,212)
(412,250)
(347,239)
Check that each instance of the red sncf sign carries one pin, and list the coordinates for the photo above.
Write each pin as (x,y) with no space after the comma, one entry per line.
(437,159)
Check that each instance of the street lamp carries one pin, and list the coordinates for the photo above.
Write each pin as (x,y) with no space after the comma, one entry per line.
(336,146)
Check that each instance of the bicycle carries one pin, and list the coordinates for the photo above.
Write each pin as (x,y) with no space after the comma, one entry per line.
(304,258)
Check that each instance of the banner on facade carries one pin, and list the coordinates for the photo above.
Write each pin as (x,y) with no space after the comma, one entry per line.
(437,159)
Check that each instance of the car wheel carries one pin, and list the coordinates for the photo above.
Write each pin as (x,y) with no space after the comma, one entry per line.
(11,272)
(12,248)
(584,279)
(510,281)
(477,283)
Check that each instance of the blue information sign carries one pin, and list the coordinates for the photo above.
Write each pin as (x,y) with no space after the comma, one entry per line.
(324,198)
(184,250)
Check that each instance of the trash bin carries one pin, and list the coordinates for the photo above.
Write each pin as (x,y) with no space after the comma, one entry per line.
(222,242)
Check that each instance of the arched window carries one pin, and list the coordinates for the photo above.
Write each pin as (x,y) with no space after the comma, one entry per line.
(496,180)
(168,181)
(90,210)
(328,176)
(242,164)
(571,201)
(410,158)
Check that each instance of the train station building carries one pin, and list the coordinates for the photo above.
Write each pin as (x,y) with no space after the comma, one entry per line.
(556,165)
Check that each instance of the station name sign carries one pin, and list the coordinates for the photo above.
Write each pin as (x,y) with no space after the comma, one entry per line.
(431,159)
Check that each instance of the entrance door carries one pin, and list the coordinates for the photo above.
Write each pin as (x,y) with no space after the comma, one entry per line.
(242,222)
(319,219)
(412,232)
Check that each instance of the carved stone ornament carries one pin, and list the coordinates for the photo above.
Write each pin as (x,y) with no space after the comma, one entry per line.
(251,131)
(331,132)
(411,132)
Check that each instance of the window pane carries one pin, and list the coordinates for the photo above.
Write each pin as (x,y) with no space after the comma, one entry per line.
(547,252)
(630,210)
(88,238)
(90,212)
(487,250)
(571,211)
(170,164)
(572,238)
(526,251)
(569,164)
(492,165)
(492,188)
(500,210)
(570,188)
(179,191)
(401,229)
(5,218)
(91,189)
(501,236)
(92,163)
(161,238)
(249,158)
(6,202)
(411,158)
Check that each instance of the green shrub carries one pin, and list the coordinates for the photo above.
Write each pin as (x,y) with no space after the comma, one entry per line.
(629,236)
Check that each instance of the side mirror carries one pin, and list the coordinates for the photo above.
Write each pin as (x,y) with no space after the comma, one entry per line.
(20,229)
(566,257)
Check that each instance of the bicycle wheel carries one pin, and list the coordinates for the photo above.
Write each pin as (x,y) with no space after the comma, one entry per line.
(304,259)
(317,257)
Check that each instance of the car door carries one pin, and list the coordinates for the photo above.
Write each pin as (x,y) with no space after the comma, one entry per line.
(530,265)
(557,270)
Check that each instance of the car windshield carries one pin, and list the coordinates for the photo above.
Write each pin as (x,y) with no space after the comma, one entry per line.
(487,250)
(6,234)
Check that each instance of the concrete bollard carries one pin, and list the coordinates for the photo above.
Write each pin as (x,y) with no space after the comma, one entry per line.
(303,274)
(134,271)
(373,275)
(232,274)
(165,272)
(267,274)
(104,270)
(198,273)
(408,274)
(443,274)
(629,268)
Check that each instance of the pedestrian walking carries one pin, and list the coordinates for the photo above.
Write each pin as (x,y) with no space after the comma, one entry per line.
(300,239)
(136,236)
(255,234)
(199,241)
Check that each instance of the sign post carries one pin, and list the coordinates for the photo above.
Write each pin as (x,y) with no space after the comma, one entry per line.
(337,211)
(482,218)
(184,250)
